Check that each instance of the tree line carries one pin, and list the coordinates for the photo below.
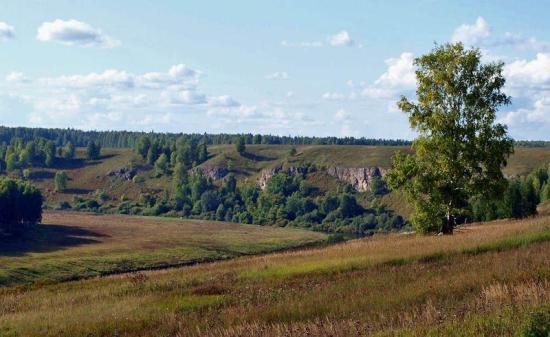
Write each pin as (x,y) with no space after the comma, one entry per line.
(129,139)
(520,198)
(166,153)
(39,152)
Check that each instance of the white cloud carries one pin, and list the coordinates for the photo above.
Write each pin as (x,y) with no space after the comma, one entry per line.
(341,38)
(342,115)
(399,77)
(472,34)
(521,42)
(73,32)
(7,32)
(116,96)
(283,75)
(529,74)
(16,77)
(538,114)
(333,96)
(223,101)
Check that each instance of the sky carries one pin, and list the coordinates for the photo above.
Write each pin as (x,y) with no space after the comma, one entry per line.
(308,67)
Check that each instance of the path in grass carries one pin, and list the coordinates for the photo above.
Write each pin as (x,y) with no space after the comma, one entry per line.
(72,245)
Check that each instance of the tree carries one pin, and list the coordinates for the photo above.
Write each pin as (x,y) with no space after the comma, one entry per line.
(460,150)
(93,150)
(60,181)
(161,165)
(20,205)
(240,145)
(11,162)
(69,151)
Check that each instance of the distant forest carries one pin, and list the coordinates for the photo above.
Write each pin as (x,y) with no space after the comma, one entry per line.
(128,139)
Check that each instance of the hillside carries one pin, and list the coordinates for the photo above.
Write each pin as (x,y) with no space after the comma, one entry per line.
(483,281)
(89,179)
(69,245)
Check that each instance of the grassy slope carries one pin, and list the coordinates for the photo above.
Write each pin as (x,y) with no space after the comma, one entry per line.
(482,281)
(73,245)
(90,177)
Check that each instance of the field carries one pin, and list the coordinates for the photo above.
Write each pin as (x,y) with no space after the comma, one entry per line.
(74,245)
(482,281)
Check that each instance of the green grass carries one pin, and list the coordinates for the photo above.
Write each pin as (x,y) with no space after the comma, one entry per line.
(486,279)
(70,246)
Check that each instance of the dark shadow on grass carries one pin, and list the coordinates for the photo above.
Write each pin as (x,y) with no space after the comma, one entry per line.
(41,175)
(79,191)
(47,238)
(257,157)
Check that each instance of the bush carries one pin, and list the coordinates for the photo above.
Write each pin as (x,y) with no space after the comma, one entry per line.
(60,181)
(63,205)
(537,324)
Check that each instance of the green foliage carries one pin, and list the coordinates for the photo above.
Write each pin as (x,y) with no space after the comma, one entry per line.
(460,150)
(537,324)
(162,165)
(93,150)
(20,205)
(240,145)
(286,201)
(60,181)
(69,151)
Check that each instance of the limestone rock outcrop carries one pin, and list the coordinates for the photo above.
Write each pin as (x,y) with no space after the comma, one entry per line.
(360,178)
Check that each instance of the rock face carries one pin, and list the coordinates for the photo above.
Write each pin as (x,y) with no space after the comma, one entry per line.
(359,177)
(123,172)
(266,174)
(213,172)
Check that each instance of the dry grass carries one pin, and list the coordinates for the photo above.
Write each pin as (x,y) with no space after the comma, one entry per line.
(72,245)
(390,285)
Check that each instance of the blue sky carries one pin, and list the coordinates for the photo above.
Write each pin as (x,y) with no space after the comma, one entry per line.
(282,67)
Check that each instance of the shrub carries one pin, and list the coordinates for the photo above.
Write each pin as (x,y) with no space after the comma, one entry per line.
(60,181)
(537,324)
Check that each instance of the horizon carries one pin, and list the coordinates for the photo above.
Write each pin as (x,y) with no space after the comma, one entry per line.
(286,69)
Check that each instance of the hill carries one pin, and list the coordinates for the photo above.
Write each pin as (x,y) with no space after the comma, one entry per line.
(69,245)
(89,179)
(483,281)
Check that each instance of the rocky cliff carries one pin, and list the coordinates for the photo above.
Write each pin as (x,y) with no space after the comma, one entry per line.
(359,177)
(266,174)
(213,172)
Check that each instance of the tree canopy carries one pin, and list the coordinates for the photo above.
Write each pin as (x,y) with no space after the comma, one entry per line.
(460,149)
(20,204)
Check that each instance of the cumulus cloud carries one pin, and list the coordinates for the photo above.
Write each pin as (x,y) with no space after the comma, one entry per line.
(472,34)
(283,75)
(116,96)
(7,32)
(534,74)
(538,113)
(399,77)
(341,38)
(73,32)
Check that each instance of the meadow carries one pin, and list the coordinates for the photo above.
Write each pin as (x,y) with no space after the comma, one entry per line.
(70,245)
(483,281)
